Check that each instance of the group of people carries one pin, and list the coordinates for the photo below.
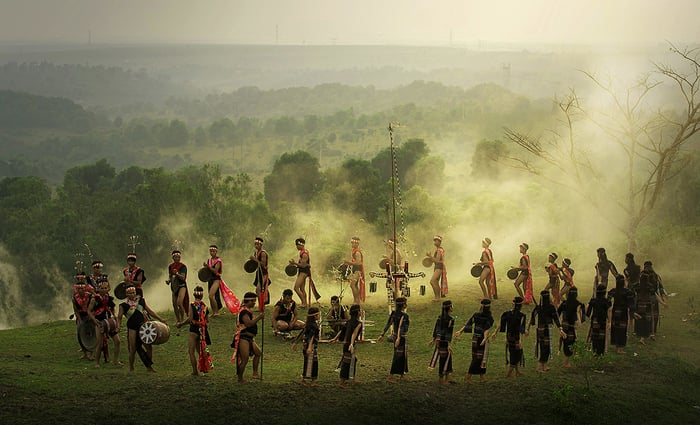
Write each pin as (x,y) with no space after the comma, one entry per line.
(96,313)
(636,298)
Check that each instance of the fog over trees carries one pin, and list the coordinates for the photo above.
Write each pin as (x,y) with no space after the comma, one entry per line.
(93,153)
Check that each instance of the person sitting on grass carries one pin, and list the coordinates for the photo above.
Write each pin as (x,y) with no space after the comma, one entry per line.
(284,316)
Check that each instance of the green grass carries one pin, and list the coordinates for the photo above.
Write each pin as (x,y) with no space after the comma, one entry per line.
(42,379)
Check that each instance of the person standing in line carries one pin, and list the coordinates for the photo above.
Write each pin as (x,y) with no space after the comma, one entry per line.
(567,276)
(133,274)
(599,312)
(303,265)
(632,271)
(198,339)
(553,283)
(178,286)
(348,362)
(572,313)
(603,269)
(546,315)
(244,344)
(262,276)
(513,324)
(480,325)
(442,340)
(623,306)
(658,297)
(399,322)
(487,279)
(357,272)
(311,334)
(100,309)
(525,276)
(215,265)
(439,279)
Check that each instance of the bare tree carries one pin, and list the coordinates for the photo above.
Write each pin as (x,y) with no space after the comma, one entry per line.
(651,141)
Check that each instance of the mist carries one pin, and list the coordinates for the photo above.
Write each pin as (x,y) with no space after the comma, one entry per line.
(162,62)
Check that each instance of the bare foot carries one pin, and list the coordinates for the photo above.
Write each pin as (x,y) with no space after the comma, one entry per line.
(255,376)
(118,364)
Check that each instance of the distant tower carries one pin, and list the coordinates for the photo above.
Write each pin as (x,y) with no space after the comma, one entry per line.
(506,75)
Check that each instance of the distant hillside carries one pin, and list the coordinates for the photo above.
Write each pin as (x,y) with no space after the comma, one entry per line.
(27,111)
(87,84)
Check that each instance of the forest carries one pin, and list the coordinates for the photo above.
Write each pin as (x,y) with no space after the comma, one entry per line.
(169,161)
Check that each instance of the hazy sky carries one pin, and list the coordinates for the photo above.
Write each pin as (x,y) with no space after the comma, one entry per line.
(350,21)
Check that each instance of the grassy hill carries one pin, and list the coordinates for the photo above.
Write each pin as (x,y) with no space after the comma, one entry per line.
(42,378)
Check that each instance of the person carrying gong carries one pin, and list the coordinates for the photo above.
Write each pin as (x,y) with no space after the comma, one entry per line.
(262,275)
(303,271)
(487,279)
(133,274)
(357,279)
(439,279)
(215,266)
(177,271)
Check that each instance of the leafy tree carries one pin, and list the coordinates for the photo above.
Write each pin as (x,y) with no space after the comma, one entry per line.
(485,160)
(357,187)
(295,178)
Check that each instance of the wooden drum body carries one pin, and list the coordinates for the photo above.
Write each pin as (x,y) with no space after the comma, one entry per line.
(154,332)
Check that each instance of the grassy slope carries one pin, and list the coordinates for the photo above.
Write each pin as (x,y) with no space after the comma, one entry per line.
(41,379)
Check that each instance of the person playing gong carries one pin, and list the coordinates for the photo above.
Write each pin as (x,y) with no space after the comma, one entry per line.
(357,279)
(439,279)
(262,275)
(133,274)
(487,279)
(525,276)
(215,266)
(303,265)
(178,286)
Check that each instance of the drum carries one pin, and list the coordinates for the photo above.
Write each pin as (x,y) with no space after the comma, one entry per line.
(87,336)
(205,274)
(427,262)
(476,270)
(345,270)
(373,286)
(383,263)
(291,270)
(109,326)
(422,290)
(154,332)
(513,273)
(120,290)
(250,266)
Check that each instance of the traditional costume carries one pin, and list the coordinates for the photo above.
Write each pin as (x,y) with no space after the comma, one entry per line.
(198,326)
(399,322)
(513,324)
(598,313)
(546,315)
(478,325)
(135,313)
(442,335)
(622,305)
(571,311)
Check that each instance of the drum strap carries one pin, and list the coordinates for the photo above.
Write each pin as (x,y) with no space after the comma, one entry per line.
(212,262)
(130,312)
